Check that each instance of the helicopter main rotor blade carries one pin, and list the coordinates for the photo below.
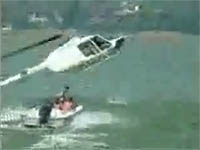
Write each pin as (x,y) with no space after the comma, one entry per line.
(20,50)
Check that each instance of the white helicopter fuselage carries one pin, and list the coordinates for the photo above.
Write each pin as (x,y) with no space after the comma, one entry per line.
(77,52)
(69,55)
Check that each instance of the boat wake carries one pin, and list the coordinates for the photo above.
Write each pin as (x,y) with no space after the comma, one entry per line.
(11,118)
(11,115)
(71,141)
(89,119)
(76,136)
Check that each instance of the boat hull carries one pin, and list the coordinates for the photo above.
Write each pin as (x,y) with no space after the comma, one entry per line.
(31,120)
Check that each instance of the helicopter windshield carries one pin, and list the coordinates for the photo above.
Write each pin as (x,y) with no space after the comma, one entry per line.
(101,43)
(94,46)
(88,48)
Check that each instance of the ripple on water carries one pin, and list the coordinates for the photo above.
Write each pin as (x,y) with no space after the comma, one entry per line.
(89,119)
(70,140)
(76,138)
(117,100)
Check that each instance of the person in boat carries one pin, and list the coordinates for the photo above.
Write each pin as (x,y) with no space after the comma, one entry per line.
(67,105)
(44,113)
(45,110)
(61,103)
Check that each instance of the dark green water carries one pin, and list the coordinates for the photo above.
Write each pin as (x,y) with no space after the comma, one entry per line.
(96,15)
(154,82)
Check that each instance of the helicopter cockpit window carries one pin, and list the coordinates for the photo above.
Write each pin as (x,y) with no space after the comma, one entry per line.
(101,43)
(88,48)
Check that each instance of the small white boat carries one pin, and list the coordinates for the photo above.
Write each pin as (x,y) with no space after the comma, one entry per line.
(81,52)
(35,17)
(7,27)
(128,9)
(57,118)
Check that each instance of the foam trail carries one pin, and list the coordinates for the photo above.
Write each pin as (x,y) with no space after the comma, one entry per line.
(23,74)
(10,115)
(88,119)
